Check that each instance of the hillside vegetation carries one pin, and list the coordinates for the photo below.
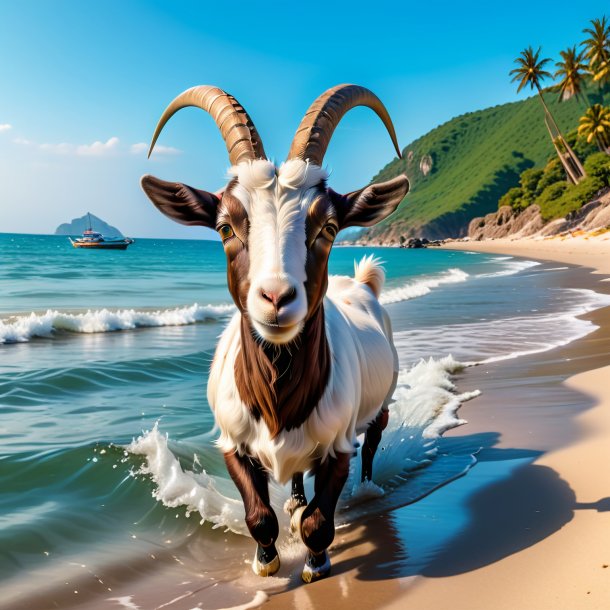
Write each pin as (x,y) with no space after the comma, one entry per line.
(473,160)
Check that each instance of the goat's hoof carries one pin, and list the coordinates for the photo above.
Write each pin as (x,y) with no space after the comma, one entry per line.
(266,560)
(316,567)
(295,521)
(293,503)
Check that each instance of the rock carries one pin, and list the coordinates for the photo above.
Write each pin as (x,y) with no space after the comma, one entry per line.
(508,223)
(77,225)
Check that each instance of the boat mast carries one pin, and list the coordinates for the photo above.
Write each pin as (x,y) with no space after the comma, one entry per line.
(89,216)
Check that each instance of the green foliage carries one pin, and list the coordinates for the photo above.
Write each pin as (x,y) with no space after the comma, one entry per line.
(529,180)
(513,198)
(580,146)
(550,190)
(573,198)
(529,185)
(478,157)
(550,195)
(598,166)
(552,173)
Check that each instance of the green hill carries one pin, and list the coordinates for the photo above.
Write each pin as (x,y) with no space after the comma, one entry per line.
(475,159)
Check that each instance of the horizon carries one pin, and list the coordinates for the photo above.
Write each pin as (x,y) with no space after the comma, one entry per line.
(104,97)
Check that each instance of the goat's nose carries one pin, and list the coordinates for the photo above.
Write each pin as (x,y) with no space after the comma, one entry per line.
(279,296)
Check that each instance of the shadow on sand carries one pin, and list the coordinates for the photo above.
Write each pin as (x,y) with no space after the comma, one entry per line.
(525,504)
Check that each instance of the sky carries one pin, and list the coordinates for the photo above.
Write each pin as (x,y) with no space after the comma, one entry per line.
(82,85)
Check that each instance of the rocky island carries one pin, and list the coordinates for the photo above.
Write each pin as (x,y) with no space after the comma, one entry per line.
(78,225)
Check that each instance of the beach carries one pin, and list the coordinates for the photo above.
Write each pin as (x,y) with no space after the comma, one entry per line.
(539,536)
(525,527)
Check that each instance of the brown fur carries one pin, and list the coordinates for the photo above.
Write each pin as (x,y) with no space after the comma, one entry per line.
(250,478)
(283,384)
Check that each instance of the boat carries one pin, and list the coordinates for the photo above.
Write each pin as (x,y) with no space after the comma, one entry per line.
(92,239)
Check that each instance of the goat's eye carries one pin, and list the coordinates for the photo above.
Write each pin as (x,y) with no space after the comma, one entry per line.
(329,231)
(225,231)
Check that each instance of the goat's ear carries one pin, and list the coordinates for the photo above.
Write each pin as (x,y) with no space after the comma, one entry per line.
(182,203)
(371,204)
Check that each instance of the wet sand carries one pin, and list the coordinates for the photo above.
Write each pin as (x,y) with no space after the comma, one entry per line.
(552,515)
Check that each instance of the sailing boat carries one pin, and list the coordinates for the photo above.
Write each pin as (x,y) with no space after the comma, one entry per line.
(93,239)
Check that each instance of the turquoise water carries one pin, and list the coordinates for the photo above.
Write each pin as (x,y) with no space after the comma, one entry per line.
(98,347)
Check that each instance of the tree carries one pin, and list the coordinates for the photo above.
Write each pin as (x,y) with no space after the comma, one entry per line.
(571,71)
(530,71)
(595,124)
(597,49)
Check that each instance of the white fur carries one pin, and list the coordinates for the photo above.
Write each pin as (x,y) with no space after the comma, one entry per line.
(277,202)
(370,272)
(363,368)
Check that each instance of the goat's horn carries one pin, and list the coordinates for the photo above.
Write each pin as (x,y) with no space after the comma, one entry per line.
(316,129)
(238,131)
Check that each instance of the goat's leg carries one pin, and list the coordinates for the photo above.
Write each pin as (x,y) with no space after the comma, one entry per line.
(297,495)
(316,522)
(250,479)
(372,438)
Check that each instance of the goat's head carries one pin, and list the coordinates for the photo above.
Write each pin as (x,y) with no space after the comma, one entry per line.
(277,224)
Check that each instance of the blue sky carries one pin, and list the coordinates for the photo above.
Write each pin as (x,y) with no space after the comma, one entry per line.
(82,85)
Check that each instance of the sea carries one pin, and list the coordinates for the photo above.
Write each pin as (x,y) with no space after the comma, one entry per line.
(108,466)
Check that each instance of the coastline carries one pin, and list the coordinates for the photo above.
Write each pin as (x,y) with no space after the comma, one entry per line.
(538,537)
(453,549)
(569,567)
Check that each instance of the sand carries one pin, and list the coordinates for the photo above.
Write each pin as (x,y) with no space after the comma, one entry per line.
(539,533)
(570,567)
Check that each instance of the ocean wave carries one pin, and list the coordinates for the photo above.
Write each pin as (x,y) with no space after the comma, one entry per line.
(511,267)
(421,287)
(20,329)
(488,341)
(40,386)
(23,328)
(425,406)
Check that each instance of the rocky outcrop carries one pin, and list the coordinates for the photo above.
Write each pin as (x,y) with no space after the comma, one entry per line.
(508,223)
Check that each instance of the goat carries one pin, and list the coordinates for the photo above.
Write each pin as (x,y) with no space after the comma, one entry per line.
(307,362)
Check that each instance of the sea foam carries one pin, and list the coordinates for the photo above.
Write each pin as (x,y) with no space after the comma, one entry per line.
(19,329)
(486,341)
(23,328)
(425,406)
(422,286)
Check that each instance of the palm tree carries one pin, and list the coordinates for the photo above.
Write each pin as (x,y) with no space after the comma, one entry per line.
(596,124)
(530,71)
(597,49)
(571,71)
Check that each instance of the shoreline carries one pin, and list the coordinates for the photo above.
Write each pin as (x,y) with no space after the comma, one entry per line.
(539,529)
(567,568)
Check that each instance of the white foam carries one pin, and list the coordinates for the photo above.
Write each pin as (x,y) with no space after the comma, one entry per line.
(507,338)
(421,287)
(511,267)
(20,329)
(425,406)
